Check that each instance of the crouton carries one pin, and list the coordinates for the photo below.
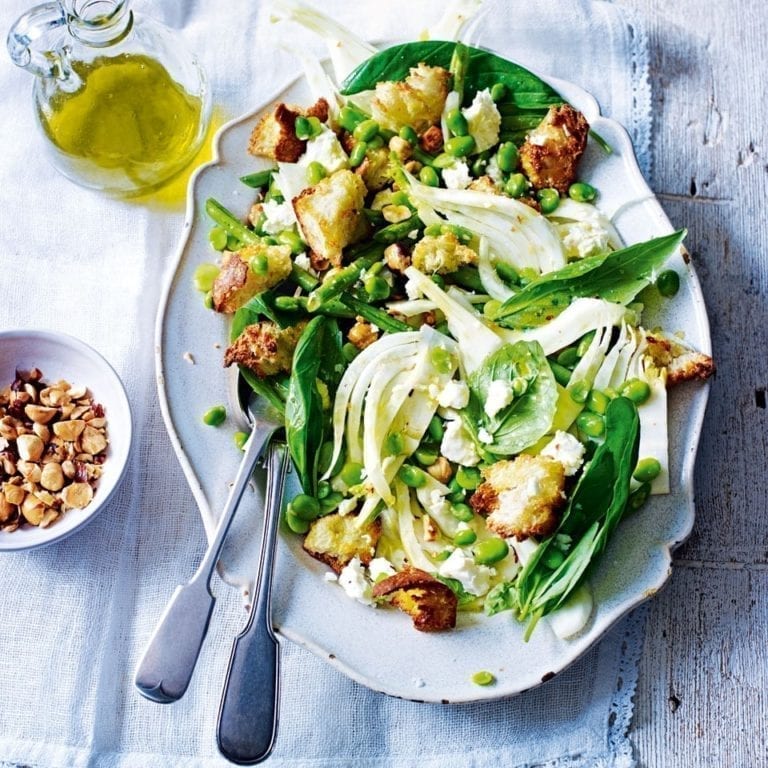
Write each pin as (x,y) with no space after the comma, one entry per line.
(275,134)
(336,539)
(431,604)
(551,152)
(432,140)
(330,214)
(375,169)
(264,348)
(417,101)
(683,363)
(441,254)
(362,334)
(521,497)
(237,281)
(484,184)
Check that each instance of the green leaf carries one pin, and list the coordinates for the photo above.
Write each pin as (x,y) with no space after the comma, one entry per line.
(503,597)
(528,417)
(464,597)
(616,277)
(484,69)
(256,309)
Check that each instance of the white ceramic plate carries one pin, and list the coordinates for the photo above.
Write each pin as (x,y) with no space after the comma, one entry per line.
(60,356)
(379,648)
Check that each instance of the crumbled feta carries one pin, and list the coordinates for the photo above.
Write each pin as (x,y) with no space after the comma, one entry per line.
(457,176)
(330,576)
(455,394)
(411,290)
(500,395)
(566,449)
(495,173)
(346,506)
(279,216)
(379,568)
(484,120)
(476,579)
(353,581)
(302,260)
(484,436)
(326,150)
(584,238)
(457,444)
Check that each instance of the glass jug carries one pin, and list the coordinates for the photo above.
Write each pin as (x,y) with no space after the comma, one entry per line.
(123,105)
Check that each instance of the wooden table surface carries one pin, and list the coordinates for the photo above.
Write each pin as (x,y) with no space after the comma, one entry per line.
(702,698)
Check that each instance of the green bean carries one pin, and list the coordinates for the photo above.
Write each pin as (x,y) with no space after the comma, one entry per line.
(582,192)
(378,317)
(215,416)
(507,272)
(349,351)
(465,538)
(637,390)
(549,199)
(568,357)
(424,157)
(394,232)
(491,551)
(412,476)
(299,304)
(647,470)
(302,278)
(456,122)
(467,277)
(668,283)
(259,179)
(561,373)
(459,146)
(227,221)
(458,68)
(506,157)
(336,284)
(584,343)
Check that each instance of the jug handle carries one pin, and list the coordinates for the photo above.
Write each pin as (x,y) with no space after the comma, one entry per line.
(28,28)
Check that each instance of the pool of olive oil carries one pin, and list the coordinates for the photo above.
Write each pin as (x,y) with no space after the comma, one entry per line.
(128,128)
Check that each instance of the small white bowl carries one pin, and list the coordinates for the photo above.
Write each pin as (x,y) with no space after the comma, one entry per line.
(60,356)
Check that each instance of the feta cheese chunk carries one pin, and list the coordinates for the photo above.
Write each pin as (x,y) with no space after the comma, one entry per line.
(484,120)
(354,582)
(500,395)
(455,394)
(566,449)
(326,150)
(457,176)
(380,568)
(584,238)
(484,436)
(476,579)
(279,216)
(457,444)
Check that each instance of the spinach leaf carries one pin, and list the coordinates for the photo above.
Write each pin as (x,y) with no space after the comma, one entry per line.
(265,388)
(529,415)
(260,307)
(617,277)
(593,512)
(316,358)
(503,597)
(484,69)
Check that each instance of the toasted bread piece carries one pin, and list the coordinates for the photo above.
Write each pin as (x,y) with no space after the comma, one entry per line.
(431,604)
(275,134)
(521,497)
(265,348)
(237,283)
(551,153)
(683,363)
(335,539)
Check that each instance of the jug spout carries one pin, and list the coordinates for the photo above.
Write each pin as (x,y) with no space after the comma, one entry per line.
(29,39)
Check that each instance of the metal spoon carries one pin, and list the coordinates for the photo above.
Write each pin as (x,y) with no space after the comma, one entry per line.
(166,668)
(247,723)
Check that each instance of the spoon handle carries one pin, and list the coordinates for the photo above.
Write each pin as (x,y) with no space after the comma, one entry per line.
(248,713)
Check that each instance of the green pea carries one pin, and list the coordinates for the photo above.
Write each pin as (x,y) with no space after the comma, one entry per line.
(215,416)
(208,300)
(351,473)
(443,160)
(462,512)
(457,123)
(315,126)
(412,476)
(561,373)
(233,244)
(293,240)
(330,502)
(498,91)
(304,506)
(376,287)
(350,118)
(395,444)
(428,176)
(296,524)
(218,238)
(491,307)
(597,401)
(507,157)
(303,128)
(259,264)
(443,360)
(365,130)
(316,172)
(668,283)
(637,390)
(465,538)
(323,489)
(591,424)
(549,199)
(325,456)
(377,142)
(357,155)
(491,551)
(205,275)
(516,185)
(459,146)
(426,456)
(568,357)
(240,439)
(483,678)
(553,559)
(468,477)
(408,134)
(584,343)
(647,470)
(435,429)
(638,497)
(444,555)
(349,351)
(582,192)
(260,222)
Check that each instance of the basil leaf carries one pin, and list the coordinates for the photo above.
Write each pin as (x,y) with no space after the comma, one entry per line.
(616,277)
(503,597)
(260,307)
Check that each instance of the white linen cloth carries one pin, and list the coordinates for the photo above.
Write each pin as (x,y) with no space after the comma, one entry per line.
(75,617)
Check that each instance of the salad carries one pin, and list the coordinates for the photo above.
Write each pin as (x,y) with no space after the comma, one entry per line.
(429,291)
